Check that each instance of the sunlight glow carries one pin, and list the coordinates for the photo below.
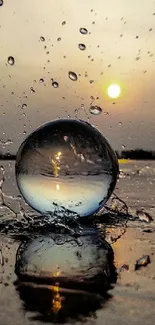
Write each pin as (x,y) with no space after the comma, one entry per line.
(114,91)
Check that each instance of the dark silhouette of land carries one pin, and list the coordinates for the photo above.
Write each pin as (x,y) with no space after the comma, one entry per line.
(7,157)
(136,154)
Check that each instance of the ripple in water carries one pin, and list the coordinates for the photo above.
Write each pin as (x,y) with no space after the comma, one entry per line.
(66,164)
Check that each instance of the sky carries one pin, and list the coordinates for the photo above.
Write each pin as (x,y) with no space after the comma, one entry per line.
(120,48)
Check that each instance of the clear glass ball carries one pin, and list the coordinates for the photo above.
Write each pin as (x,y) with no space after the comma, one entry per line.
(66,164)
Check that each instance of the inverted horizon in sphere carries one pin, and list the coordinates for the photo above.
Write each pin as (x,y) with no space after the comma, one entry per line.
(66,164)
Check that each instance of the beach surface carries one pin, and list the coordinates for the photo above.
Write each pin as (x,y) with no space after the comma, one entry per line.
(132,298)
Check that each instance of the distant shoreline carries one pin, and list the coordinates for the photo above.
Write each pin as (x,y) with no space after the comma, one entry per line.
(7,157)
(123,157)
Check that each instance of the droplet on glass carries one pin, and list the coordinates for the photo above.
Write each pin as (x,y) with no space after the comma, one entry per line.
(1,2)
(63,23)
(150,30)
(24,106)
(91,81)
(76,175)
(41,80)
(95,110)
(72,75)
(42,38)
(81,46)
(11,60)
(83,31)
(55,84)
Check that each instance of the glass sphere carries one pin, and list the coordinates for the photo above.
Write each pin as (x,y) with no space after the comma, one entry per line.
(66,164)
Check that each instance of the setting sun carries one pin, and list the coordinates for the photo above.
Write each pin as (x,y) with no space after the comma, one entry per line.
(114,91)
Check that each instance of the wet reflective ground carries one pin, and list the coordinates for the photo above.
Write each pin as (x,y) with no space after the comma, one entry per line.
(130,300)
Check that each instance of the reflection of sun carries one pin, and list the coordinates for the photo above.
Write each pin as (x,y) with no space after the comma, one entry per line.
(114,91)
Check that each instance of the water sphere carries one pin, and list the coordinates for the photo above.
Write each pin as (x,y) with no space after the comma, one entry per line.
(66,164)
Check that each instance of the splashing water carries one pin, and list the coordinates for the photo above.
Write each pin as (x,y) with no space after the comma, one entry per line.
(66,165)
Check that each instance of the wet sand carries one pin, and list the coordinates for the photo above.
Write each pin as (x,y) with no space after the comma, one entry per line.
(132,297)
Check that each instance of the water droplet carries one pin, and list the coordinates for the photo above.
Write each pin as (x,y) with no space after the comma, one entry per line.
(24,106)
(137,37)
(32,90)
(82,47)
(123,146)
(1,2)
(55,84)
(76,175)
(83,31)
(91,81)
(150,30)
(11,60)
(41,80)
(72,75)
(42,38)
(95,110)
(59,39)
(63,23)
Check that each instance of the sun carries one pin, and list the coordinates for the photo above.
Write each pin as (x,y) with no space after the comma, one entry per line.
(114,91)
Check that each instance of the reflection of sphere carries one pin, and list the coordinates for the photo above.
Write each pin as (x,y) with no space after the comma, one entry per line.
(69,164)
(60,273)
